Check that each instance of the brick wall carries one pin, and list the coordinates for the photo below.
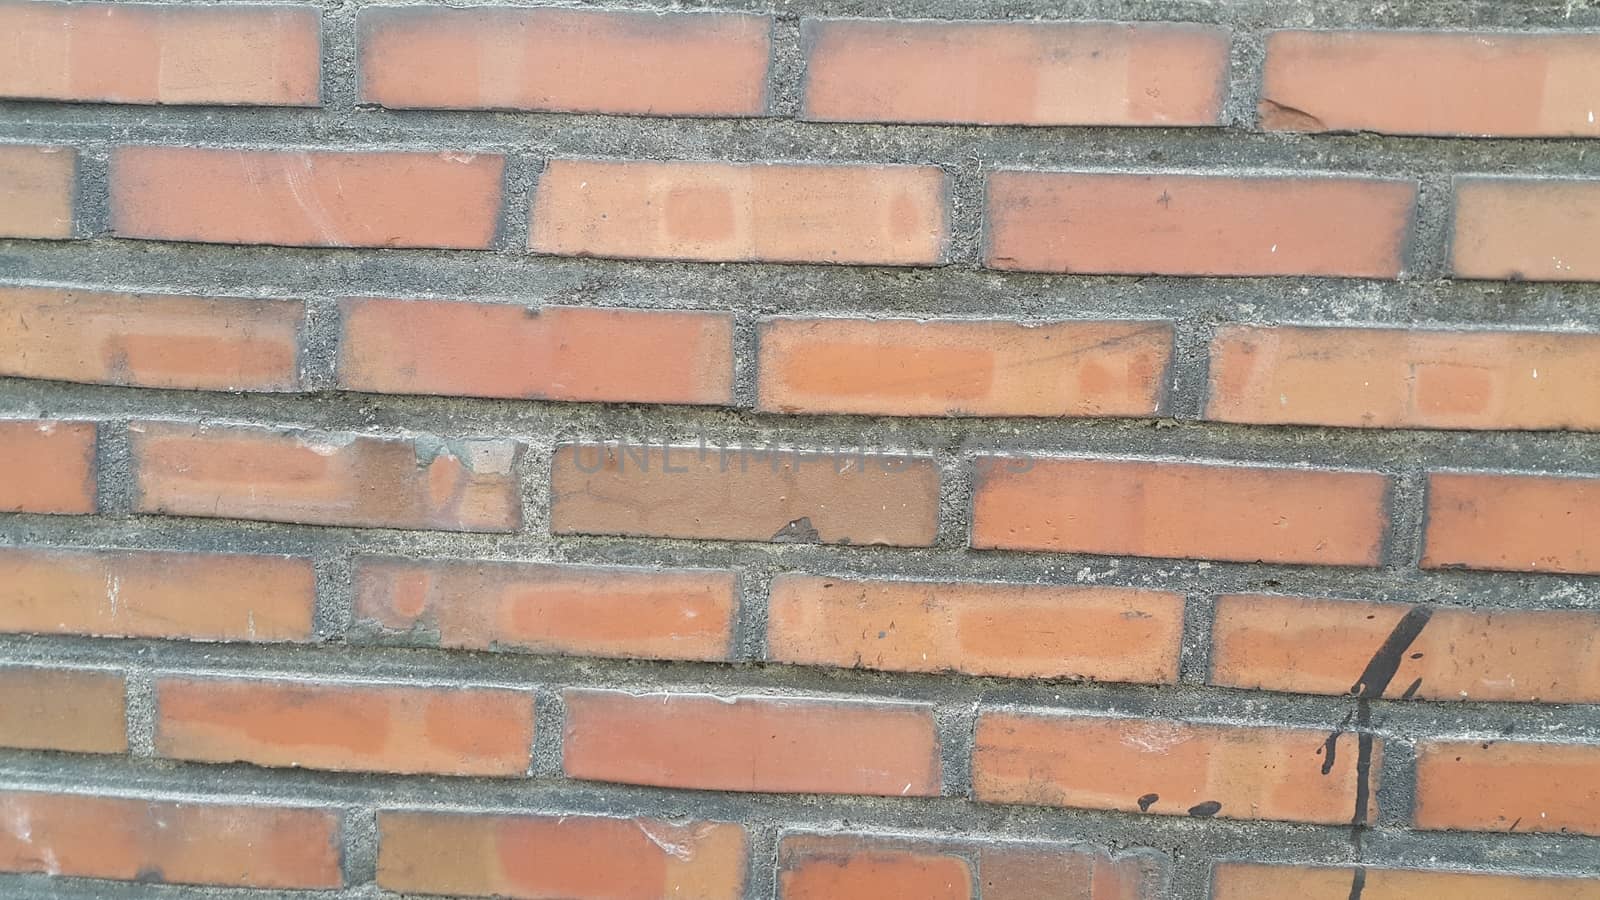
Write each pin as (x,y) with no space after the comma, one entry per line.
(1093,449)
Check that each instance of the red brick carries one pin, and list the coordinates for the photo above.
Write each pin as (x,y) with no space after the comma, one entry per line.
(581,610)
(1405,378)
(553,353)
(1513,523)
(150,340)
(744,494)
(76,710)
(1203,511)
(766,744)
(734,212)
(1245,881)
(345,727)
(1509,786)
(1315,646)
(559,856)
(1167,768)
(1173,224)
(852,867)
(39,185)
(902,367)
(193,596)
(1483,84)
(134,839)
(1527,230)
(48,466)
(1014,73)
(1009,630)
(304,198)
(221,54)
(326,479)
(569,60)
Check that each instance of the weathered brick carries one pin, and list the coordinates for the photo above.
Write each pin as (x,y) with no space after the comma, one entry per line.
(744,494)
(304,198)
(582,610)
(1513,523)
(76,710)
(1508,786)
(150,340)
(345,727)
(553,353)
(732,212)
(1010,630)
(1527,230)
(855,867)
(39,186)
(1169,768)
(1173,224)
(1405,378)
(902,367)
(325,479)
(1316,646)
(1014,73)
(47,466)
(766,744)
(1246,881)
(120,593)
(559,856)
(215,54)
(135,839)
(1483,84)
(620,62)
(869,866)
(1204,511)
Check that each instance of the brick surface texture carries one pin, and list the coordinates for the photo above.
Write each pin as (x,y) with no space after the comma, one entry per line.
(802,450)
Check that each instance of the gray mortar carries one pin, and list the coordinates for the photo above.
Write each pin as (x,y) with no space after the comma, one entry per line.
(1424,297)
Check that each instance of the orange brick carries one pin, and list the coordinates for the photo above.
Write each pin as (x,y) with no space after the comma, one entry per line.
(554,353)
(744,494)
(872,866)
(582,610)
(149,340)
(731,212)
(1509,786)
(39,185)
(76,710)
(901,367)
(306,199)
(48,466)
(1171,224)
(1016,870)
(1168,768)
(325,479)
(1148,508)
(1405,378)
(569,60)
(1009,630)
(222,54)
(559,856)
(767,744)
(1324,646)
(133,839)
(195,596)
(1484,84)
(1513,523)
(1244,881)
(345,727)
(1014,73)
(851,867)
(1527,230)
